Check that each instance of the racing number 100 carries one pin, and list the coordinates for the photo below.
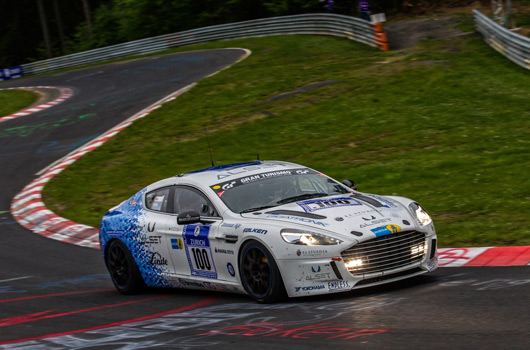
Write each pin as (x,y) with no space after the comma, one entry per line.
(202,261)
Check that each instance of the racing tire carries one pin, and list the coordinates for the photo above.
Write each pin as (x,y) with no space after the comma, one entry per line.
(123,269)
(259,273)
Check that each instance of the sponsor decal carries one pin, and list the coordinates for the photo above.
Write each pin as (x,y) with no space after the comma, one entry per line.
(335,286)
(386,230)
(311,252)
(298,218)
(242,170)
(151,228)
(375,222)
(309,288)
(225,186)
(176,243)
(315,269)
(258,177)
(224,251)
(157,259)
(255,230)
(115,232)
(339,218)
(198,251)
(234,226)
(359,213)
(318,276)
(433,264)
(319,204)
(231,269)
(150,239)
(372,217)
(228,185)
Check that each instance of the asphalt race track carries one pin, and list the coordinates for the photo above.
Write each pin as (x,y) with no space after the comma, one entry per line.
(58,296)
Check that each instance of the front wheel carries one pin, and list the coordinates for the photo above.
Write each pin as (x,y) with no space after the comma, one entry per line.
(123,269)
(259,273)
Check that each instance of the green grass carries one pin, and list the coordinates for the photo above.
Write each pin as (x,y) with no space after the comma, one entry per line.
(12,101)
(446,123)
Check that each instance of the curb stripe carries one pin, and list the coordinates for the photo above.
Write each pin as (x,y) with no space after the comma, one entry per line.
(66,93)
(485,256)
(27,206)
(503,256)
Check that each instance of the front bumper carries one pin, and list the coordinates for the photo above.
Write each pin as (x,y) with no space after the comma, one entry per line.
(330,274)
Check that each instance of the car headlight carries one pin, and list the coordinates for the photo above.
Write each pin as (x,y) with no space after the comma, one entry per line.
(302,237)
(421,214)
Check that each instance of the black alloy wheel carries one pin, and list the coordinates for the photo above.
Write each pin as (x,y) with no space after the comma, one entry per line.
(259,273)
(123,269)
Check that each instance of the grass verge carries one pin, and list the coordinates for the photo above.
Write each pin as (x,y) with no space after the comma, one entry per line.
(12,101)
(446,123)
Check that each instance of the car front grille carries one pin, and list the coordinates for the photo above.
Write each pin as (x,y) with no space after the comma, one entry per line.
(385,253)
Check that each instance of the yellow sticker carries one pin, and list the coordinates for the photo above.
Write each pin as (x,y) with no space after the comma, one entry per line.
(393,228)
(216,187)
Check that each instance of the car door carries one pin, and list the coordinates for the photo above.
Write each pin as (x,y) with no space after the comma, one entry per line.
(154,231)
(191,246)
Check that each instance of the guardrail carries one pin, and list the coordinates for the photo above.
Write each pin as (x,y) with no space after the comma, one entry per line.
(514,46)
(316,24)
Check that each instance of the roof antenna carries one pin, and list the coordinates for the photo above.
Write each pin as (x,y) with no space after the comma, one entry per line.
(257,155)
(208,141)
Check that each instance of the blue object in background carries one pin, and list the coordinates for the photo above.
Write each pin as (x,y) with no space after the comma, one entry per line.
(11,73)
(364,9)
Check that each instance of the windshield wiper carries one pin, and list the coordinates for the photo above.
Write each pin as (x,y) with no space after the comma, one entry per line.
(256,209)
(301,197)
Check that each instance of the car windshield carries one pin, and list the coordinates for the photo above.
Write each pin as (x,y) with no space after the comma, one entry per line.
(271,189)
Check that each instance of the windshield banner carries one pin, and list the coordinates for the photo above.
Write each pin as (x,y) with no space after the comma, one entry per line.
(225,186)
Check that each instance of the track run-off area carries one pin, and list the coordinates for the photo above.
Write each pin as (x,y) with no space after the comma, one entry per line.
(55,295)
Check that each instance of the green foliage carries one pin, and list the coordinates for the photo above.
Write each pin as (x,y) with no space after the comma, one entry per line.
(446,123)
(117,21)
(522,20)
(12,101)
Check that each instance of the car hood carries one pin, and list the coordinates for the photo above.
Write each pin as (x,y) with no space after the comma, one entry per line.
(358,216)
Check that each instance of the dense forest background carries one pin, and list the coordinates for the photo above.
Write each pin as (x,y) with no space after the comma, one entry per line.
(79,25)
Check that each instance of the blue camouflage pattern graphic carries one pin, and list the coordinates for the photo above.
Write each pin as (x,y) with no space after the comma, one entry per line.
(126,223)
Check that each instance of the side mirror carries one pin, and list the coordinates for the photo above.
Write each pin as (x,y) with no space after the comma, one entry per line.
(350,184)
(188,217)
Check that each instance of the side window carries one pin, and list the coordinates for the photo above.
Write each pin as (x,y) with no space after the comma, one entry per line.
(187,198)
(158,199)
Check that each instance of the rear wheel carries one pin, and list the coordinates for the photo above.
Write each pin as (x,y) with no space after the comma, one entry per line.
(123,269)
(259,273)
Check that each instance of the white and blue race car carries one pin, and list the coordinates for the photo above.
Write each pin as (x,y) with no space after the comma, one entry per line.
(266,228)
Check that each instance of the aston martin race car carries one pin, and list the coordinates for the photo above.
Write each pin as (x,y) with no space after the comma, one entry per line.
(266,228)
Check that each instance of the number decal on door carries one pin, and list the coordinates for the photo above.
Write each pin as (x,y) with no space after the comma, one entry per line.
(198,251)
(201,258)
